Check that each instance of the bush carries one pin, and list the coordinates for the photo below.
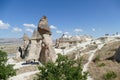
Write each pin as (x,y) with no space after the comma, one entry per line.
(101,65)
(97,58)
(110,75)
(62,69)
(6,70)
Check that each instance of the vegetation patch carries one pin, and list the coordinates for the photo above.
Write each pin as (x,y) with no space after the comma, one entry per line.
(6,70)
(110,75)
(62,69)
(97,58)
(101,64)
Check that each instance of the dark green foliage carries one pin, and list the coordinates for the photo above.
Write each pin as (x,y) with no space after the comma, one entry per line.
(110,75)
(62,69)
(6,70)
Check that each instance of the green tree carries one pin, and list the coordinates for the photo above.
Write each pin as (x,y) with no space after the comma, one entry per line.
(62,69)
(6,70)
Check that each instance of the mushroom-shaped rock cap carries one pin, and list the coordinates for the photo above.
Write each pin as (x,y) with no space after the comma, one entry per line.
(43,27)
(36,35)
(25,37)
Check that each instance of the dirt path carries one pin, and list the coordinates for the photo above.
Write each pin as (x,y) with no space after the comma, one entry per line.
(92,53)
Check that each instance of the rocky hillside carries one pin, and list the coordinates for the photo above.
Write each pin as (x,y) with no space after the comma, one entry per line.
(105,63)
(100,59)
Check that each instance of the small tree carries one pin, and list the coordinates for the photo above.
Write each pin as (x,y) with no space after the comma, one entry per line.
(6,70)
(62,69)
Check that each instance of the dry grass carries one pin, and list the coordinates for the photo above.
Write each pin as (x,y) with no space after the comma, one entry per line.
(96,71)
(85,58)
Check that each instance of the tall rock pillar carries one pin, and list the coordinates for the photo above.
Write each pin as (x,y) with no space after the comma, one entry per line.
(47,52)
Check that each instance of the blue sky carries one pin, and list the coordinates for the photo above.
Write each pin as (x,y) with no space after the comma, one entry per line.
(73,17)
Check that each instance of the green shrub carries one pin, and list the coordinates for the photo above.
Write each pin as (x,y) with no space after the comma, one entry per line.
(62,69)
(110,75)
(6,70)
(101,64)
(97,58)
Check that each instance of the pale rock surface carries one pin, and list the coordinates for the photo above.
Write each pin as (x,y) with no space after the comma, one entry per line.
(39,46)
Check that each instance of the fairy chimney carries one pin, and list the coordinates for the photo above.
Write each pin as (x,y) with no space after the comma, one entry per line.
(36,35)
(26,40)
(47,52)
(39,46)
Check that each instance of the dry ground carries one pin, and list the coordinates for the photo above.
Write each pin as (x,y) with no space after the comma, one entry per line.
(9,48)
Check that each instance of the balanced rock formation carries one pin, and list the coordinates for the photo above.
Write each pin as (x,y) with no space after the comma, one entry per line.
(43,27)
(47,52)
(39,46)
(25,46)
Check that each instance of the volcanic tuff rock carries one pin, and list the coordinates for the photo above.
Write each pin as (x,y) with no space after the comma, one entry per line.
(39,46)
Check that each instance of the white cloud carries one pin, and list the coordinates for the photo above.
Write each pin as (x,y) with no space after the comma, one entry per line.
(16,29)
(29,25)
(4,25)
(93,29)
(29,30)
(58,31)
(53,27)
(66,32)
(78,30)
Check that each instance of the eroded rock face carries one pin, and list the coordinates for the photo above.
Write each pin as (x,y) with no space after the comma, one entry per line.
(44,54)
(43,27)
(39,46)
(117,55)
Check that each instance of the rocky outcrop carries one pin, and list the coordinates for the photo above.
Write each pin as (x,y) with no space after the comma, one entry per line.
(39,46)
(47,52)
(25,46)
(36,35)
(43,27)
(107,51)
(117,55)
(70,41)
